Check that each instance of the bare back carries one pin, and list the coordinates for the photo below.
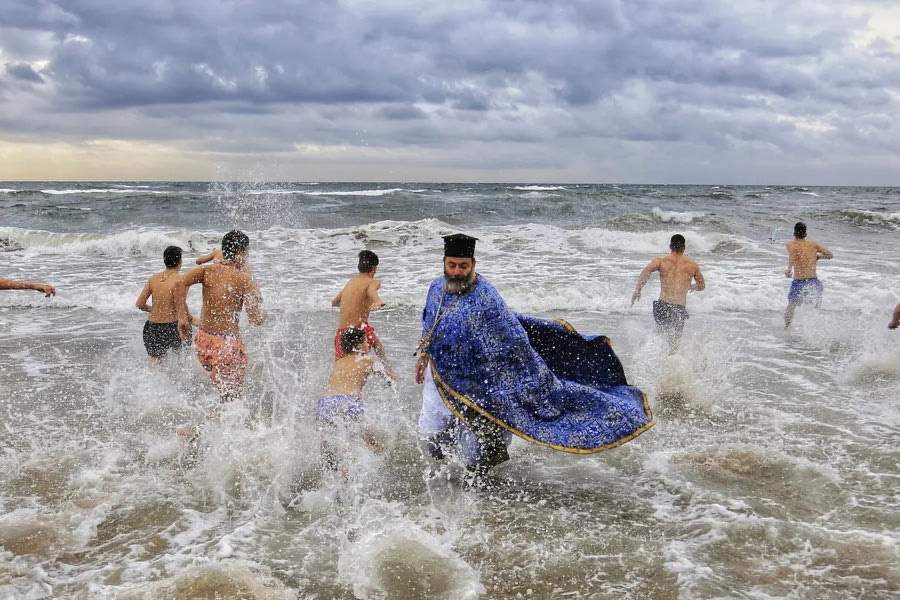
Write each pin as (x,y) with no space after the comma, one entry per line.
(161,287)
(802,257)
(357,299)
(226,290)
(349,374)
(676,274)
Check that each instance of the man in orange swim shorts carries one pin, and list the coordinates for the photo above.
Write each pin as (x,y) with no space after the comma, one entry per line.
(227,289)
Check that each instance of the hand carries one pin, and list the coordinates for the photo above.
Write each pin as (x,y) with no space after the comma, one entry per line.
(421,365)
(635,296)
(787,272)
(377,305)
(47,290)
(894,324)
(184,329)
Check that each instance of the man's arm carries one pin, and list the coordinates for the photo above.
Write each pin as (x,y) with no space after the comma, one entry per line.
(421,365)
(790,269)
(12,284)
(214,255)
(142,299)
(337,299)
(895,322)
(644,278)
(699,283)
(179,294)
(372,293)
(253,303)
(823,252)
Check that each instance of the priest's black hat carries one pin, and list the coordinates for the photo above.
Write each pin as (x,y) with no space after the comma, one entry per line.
(459,245)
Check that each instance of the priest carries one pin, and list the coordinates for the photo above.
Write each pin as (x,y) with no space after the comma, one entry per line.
(490,373)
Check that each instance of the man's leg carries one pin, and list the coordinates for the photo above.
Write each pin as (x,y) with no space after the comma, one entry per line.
(789,315)
(436,421)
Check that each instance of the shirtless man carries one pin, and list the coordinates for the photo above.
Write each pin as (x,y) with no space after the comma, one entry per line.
(802,257)
(12,284)
(357,299)
(161,327)
(226,291)
(341,400)
(678,275)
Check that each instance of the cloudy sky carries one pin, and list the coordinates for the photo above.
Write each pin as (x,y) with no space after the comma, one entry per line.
(641,91)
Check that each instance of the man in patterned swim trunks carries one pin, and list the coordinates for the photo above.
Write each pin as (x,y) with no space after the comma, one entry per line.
(356,300)
(227,290)
(678,275)
(802,256)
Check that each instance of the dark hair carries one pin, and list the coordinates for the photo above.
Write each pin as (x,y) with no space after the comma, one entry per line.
(234,241)
(172,257)
(800,230)
(351,338)
(368,260)
(676,244)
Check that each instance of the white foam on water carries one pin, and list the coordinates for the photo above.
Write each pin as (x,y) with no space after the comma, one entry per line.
(392,556)
(371,193)
(672,216)
(539,188)
(117,190)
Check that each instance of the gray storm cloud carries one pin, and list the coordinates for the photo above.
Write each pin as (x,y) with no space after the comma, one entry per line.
(692,80)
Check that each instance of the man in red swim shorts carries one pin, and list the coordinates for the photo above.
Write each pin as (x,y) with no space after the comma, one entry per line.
(356,300)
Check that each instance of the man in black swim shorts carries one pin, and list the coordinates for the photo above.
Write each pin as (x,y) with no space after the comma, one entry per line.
(161,328)
(678,275)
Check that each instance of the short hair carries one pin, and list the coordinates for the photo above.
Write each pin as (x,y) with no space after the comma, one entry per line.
(172,257)
(368,260)
(800,230)
(676,244)
(234,242)
(351,338)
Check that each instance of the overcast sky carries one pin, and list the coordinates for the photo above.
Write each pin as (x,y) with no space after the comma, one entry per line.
(640,91)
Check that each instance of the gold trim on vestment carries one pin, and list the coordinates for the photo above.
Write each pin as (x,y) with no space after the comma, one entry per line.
(440,385)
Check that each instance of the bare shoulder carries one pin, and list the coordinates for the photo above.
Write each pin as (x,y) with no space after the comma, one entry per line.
(154,279)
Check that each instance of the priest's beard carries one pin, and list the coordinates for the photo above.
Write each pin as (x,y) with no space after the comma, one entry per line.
(458,285)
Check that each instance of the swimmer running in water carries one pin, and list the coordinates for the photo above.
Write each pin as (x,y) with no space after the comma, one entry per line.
(161,328)
(341,402)
(227,290)
(356,300)
(802,256)
(678,275)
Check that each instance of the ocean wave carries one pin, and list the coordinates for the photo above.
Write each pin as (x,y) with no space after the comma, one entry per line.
(149,243)
(361,192)
(674,216)
(128,190)
(870,218)
(539,188)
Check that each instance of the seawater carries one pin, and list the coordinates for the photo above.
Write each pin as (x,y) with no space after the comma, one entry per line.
(773,470)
